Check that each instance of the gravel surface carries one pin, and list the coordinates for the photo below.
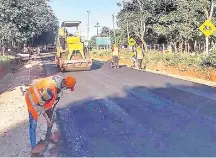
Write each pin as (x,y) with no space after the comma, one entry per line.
(14,135)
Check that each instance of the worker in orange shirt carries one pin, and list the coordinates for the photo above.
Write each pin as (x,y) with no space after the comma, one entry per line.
(41,96)
(115,56)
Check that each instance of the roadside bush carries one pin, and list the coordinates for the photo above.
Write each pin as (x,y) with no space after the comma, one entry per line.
(168,59)
(5,61)
(209,61)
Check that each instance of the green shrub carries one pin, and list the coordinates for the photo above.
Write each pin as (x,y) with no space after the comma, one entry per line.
(6,60)
(209,61)
(169,59)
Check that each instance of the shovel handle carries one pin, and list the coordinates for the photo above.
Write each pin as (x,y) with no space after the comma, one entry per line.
(50,115)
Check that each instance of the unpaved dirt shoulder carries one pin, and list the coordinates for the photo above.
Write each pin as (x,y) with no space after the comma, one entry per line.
(14,136)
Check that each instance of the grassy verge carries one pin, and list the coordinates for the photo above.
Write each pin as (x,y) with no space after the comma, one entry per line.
(6,63)
(190,65)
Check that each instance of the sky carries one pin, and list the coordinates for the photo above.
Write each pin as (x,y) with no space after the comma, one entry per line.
(76,10)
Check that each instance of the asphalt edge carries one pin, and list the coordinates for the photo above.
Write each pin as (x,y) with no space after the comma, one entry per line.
(190,79)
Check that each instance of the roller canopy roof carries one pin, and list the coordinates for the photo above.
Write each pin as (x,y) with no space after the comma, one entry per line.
(71,23)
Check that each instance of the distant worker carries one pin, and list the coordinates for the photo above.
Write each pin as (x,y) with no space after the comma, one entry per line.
(139,55)
(133,57)
(40,98)
(115,56)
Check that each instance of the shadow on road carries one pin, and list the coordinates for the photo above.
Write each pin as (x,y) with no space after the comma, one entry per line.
(170,120)
(96,65)
(142,123)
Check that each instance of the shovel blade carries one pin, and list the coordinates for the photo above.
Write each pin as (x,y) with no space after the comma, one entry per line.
(40,148)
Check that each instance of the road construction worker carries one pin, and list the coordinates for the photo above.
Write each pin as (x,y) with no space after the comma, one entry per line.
(115,56)
(133,57)
(139,55)
(41,96)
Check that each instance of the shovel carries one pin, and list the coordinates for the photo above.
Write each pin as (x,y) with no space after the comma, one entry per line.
(42,145)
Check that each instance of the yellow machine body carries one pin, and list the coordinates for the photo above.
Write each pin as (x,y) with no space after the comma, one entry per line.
(70,53)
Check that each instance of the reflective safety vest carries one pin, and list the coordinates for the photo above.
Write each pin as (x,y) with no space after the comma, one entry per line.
(42,94)
(139,53)
(132,54)
(115,51)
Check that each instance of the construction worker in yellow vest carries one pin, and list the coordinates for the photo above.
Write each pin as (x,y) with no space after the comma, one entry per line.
(115,56)
(133,57)
(140,55)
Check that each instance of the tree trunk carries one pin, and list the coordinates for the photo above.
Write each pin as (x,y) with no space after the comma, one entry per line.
(199,47)
(181,46)
(188,45)
(209,16)
(195,46)
(185,45)
(175,47)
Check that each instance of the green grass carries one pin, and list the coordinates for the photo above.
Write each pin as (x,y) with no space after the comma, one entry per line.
(168,59)
(5,61)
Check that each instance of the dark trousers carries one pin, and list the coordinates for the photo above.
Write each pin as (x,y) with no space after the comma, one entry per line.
(139,63)
(115,61)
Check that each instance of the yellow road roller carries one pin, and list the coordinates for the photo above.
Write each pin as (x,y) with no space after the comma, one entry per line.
(71,54)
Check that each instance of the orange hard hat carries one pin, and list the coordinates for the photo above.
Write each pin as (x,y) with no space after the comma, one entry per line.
(70,82)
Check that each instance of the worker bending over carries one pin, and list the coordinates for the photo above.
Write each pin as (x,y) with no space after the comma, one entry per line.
(41,96)
(140,55)
(115,56)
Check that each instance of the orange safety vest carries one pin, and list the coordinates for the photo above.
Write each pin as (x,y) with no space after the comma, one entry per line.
(115,51)
(34,95)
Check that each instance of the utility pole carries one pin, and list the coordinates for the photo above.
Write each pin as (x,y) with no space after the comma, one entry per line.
(97,26)
(127,31)
(113,17)
(88,27)
(209,17)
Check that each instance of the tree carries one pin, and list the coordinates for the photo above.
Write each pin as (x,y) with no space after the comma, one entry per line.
(176,20)
(25,20)
(92,42)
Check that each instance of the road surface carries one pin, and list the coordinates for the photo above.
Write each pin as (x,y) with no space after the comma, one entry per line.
(127,112)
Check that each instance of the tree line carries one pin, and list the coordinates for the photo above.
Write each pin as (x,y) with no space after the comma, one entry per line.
(170,22)
(29,22)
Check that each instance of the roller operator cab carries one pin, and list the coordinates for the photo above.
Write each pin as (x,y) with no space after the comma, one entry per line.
(71,54)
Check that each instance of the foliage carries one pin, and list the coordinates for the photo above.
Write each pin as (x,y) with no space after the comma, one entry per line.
(92,42)
(209,61)
(176,20)
(24,21)
(168,59)
(5,60)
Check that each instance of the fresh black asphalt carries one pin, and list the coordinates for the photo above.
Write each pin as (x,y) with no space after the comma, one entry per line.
(127,112)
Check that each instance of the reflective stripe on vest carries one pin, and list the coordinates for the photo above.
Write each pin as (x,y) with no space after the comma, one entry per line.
(40,100)
(45,95)
(139,53)
(33,104)
(115,51)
